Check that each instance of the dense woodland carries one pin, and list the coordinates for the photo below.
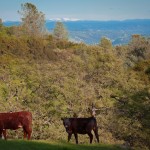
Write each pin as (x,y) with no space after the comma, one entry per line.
(53,78)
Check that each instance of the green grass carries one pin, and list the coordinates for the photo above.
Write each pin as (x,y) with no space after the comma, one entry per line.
(47,145)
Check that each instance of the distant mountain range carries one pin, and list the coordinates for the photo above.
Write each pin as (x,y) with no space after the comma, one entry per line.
(90,32)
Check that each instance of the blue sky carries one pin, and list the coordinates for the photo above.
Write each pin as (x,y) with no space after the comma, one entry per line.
(80,9)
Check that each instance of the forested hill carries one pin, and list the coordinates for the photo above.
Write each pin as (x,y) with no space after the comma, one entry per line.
(54,78)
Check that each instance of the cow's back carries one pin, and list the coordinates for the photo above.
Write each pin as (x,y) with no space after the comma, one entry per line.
(16,114)
(83,121)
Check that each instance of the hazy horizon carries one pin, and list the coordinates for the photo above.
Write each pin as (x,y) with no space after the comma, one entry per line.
(74,20)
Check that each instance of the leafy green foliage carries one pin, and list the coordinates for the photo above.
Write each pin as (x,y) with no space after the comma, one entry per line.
(134,119)
(139,49)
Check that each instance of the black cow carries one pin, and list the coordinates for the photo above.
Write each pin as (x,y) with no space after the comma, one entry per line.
(81,126)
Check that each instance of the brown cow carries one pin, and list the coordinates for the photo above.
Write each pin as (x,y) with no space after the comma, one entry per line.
(16,120)
(81,126)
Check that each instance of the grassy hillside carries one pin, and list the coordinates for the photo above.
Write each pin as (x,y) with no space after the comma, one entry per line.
(45,145)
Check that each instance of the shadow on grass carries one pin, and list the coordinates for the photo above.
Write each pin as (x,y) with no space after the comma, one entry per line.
(47,145)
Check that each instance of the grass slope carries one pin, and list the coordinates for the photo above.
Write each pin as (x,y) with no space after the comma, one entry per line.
(42,145)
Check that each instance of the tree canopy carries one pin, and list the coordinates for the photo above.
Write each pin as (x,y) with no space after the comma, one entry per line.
(60,32)
(33,21)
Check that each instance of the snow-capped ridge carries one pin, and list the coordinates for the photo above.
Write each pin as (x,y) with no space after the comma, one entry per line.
(63,19)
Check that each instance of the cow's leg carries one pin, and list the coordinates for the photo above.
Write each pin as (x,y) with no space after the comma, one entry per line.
(69,136)
(29,135)
(25,134)
(91,136)
(27,131)
(96,134)
(76,137)
(4,134)
(1,132)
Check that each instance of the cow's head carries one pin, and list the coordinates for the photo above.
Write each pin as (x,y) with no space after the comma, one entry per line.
(67,124)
